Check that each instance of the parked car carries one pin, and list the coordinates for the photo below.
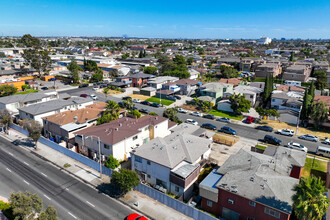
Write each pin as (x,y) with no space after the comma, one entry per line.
(44,88)
(84,95)
(223,119)
(181,110)
(83,85)
(135,216)
(177,97)
(191,121)
(272,140)
(264,128)
(94,97)
(209,126)
(326,141)
(145,103)
(143,110)
(323,151)
(95,88)
(286,132)
(249,120)
(227,130)
(171,97)
(154,104)
(309,137)
(103,86)
(197,114)
(209,116)
(297,146)
(127,97)
(136,100)
(52,79)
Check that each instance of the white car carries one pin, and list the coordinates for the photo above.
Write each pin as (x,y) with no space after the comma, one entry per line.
(286,132)
(297,146)
(95,88)
(136,100)
(191,121)
(94,97)
(181,110)
(197,114)
(326,141)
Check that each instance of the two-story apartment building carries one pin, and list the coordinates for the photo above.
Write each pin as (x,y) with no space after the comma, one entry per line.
(268,69)
(140,79)
(287,100)
(157,82)
(119,137)
(251,93)
(215,90)
(250,185)
(172,162)
(297,72)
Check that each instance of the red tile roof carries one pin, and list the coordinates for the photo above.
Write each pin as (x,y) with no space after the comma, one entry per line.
(233,81)
(322,98)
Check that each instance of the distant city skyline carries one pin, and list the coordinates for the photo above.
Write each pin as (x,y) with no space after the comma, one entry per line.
(303,19)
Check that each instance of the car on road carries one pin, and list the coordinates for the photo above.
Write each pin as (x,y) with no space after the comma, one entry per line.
(209,126)
(264,128)
(249,120)
(44,88)
(197,114)
(227,130)
(177,97)
(145,103)
(83,85)
(144,110)
(212,117)
(181,110)
(326,141)
(309,137)
(272,140)
(103,86)
(135,216)
(297,146)
(154,104)
(95,88)
(287,132)
(223,119)
(84,95)
(136,100)
(191,121)
(93,96)
(323,151)
(127,97)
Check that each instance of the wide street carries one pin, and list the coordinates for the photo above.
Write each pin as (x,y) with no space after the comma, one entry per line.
(21,170)
(243,131)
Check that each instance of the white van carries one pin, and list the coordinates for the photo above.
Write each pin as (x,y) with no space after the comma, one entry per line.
(323,151)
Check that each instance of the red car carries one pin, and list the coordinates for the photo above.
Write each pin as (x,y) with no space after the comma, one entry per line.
(84,95)
(135,216)
(249,120)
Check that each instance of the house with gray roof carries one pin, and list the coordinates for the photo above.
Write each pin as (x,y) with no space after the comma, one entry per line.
(251,185)
(215,90)
(172,163)
(287,100)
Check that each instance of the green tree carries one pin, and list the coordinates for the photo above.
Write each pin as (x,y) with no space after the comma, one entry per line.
(179,59)
(135,113)
(268,89)
(5,119)
(97,77)
(321,80)
(50,213)
(267,112)
(239,104)
(190,60)
(311,90)
(106,91)
(111,113)
(112,162)
(90,65)
(307,100)
(34,128)
(309,202)
(35,56)
(125,56)
(6,90)
(125,179)
(319,113)
(228,72)
(25,205)
(153,113)
(170,113)
(74,68)
(150,70)
(128,104)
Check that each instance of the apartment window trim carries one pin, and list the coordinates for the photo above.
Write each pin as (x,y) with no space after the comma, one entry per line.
(106,146)
(209,203)
(272,212)
(251,203)
(135,137)
(138,159)
(148,162)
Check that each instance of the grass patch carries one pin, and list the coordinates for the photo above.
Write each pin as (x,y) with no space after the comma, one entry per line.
(164,101)
(226,114)
(206,171)
(26,92)
(318,165)
(261,147)
(66,165)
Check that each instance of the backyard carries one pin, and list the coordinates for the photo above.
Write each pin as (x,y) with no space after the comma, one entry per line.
(315,164)
(156,100)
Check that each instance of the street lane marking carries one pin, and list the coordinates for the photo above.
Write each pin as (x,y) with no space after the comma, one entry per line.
(8,169)
(10,154)
(47,197)
(90,204)
(43,174)
(26,163)
(26,182)
(72,215)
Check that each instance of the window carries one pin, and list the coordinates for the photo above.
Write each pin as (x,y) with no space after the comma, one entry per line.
(209,203)
(106,146)
(272,212)
(251,96)
(148,176)
(250,218)
(273,100)
(148,162)
(251,203)
(231,201)
(176,189)
(138,159)
(135,137)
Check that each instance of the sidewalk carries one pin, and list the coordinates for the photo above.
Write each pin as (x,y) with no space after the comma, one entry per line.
(147,206)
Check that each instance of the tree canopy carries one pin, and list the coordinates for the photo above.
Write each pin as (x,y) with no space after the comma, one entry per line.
(150,70)
(74,68)
(228,72)
(111,113)
(170,113)
(239,104)
(319,113)
(6,90)
(112,162)
(321,80)
(34,128)
(125,179)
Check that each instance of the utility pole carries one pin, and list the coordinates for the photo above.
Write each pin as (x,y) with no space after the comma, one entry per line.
(298,120)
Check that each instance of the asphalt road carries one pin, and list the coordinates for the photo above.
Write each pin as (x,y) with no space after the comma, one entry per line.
(243,131)
(21,170)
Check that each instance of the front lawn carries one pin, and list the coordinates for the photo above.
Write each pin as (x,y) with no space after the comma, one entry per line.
(26,92)
(318,165)
(156,100)
(226,114)
(261,147)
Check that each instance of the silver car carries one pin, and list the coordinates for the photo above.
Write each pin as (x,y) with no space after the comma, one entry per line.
(297,146)
(223,120)
(309,137)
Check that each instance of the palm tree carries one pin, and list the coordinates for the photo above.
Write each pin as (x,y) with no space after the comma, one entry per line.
(112,107)
(111,113)
(309,202)
(5,119)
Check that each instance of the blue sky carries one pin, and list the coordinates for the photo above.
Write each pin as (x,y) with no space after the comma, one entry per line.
(167,18)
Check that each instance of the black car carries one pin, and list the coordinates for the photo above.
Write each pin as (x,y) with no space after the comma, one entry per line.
(265,128)
(156,105)
(227,130)
(177,97)
(127,97)
(272,140)
(135,108)
(103,86)
(146,111)
(83,85)
(145,103)
(209,116)
(209,126)
(121,104)
(44,88)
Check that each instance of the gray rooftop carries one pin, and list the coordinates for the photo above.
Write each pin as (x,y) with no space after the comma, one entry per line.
(173,149)
(27,97)
(215,87)
(185,169)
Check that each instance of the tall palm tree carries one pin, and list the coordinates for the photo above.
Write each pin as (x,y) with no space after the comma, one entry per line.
(309,202)
(112,107)
(111,113)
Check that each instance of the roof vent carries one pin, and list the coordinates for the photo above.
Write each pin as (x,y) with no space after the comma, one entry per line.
(120,124)
(116,129)
(265,180)
(252,179)
(75,118)
(161,148)
(262,186)
(234,191)
(156,118)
